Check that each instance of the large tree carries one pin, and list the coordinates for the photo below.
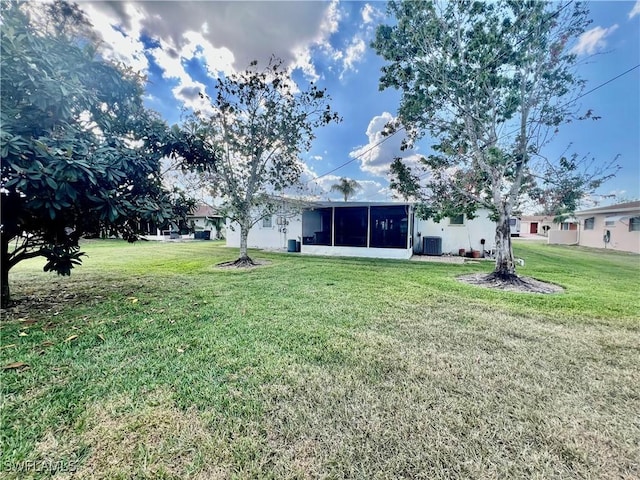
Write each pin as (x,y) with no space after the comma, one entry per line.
(79,151)
(346,187)
(491,83)
(256,125)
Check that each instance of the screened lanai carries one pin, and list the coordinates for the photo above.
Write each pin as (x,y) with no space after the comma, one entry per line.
(362,229)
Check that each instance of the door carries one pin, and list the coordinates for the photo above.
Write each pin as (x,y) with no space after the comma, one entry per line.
(534,227)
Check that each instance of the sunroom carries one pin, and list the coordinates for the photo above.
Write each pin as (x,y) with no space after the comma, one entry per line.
(352,229)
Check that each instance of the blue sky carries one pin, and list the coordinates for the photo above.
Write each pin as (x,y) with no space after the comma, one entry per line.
(183,46)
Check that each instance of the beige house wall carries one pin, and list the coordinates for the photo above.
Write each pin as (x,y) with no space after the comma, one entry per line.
(563,237)
(525,227)
(620,236)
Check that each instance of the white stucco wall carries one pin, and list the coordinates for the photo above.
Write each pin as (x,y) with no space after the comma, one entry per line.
(394,253)
(455,237)
(266,237)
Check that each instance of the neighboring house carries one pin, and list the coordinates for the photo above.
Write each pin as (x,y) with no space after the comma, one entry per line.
(201,224)
(569,224)
(365,229)
(154,232)
(532,225)
(616,227)
(205,219)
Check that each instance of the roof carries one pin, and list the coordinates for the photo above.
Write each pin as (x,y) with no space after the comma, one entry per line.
(358,204)
(536,218)
(619,208)
(203,210)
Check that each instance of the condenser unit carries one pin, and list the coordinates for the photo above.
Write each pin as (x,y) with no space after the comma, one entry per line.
(432,245)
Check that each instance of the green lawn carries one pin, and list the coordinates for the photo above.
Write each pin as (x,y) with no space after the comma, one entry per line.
(149,362)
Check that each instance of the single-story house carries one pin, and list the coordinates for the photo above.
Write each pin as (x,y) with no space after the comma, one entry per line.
(532,225)
(202,221)
(205,219)
(365,229)
(616,227)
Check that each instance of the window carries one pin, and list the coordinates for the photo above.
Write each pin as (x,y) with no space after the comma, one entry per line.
(609,223)
(267,222)
(634,224)
(589,223)
(457,220)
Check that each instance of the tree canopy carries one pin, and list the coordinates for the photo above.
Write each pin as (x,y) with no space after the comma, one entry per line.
(254,128)
(80,153)
(490,83)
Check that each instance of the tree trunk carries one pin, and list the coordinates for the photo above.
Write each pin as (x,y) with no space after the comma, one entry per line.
(244,259)
(244,234)
(4,278)
(505,265)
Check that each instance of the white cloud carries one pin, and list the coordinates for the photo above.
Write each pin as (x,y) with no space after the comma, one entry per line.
(635,10)
(304,62)
(353,54)
(370,190)
(302,51)
(126,49)
(218,60)
(331,20)
(312,187)
(593,40)
(169,56)
(170,61)
(376,156)
(370,14)
(233,32)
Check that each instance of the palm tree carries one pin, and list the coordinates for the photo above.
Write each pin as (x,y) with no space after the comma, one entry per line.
(346,187)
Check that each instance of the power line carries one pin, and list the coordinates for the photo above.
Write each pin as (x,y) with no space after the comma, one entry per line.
(573,100)
(569,102)
(356,157)
(602,85)
(579,96)
(500,138)
(552,16)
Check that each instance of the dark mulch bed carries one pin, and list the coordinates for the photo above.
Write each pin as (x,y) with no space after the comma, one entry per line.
(519,284)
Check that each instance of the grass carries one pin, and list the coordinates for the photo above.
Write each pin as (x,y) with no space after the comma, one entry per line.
(149,362)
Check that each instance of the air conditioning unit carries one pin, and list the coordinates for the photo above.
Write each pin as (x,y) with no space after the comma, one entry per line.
(432,246)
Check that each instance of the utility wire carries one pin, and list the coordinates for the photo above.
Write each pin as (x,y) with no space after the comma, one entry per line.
(555,14)
(601,85)
(358,156)
(579,96)
(500,138)
(570,101)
